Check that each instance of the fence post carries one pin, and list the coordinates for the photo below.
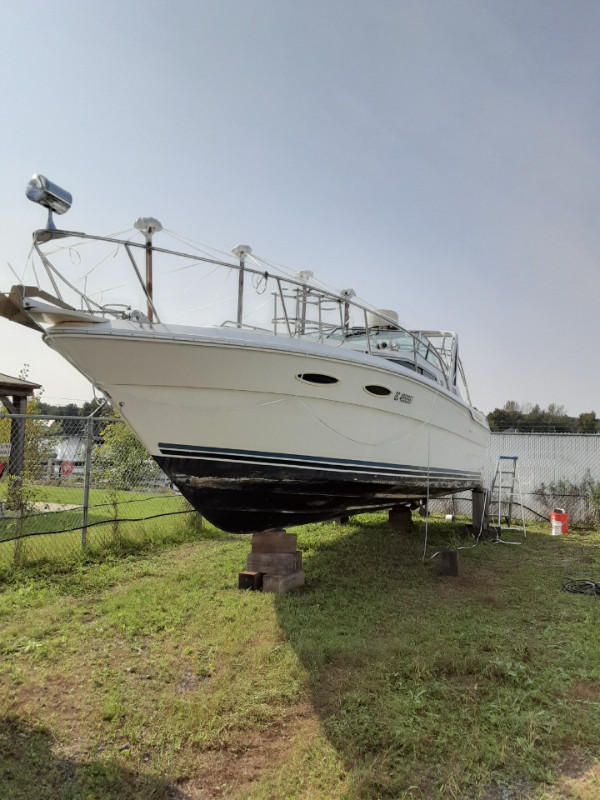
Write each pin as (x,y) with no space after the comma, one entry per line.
(89,430)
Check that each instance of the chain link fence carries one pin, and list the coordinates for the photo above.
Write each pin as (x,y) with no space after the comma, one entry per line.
(73,484)
(554,470)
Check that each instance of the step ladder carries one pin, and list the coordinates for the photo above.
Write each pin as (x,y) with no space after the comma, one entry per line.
(506,493)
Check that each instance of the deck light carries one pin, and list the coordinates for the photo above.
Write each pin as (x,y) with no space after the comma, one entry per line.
(54,198)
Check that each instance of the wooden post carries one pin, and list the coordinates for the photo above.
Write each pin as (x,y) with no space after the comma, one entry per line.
(17,438)
(480,519)
(400,519)
(450,563)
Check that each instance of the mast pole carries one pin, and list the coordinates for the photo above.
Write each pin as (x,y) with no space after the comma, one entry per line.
(148,226)
(149,277)
(241,251)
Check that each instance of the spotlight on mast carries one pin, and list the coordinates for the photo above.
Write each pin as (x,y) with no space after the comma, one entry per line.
(50,195)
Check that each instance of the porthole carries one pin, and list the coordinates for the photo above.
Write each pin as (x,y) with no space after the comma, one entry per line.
(316,378)
(380,391)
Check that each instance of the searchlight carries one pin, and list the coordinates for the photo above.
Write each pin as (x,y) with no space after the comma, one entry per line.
(54,198)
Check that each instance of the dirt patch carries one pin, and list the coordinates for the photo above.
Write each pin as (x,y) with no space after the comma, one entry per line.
(58,694)
(221,773)
(49,508)
(57,704)
(574,764)
(580,778)
(585,690)
(486,584)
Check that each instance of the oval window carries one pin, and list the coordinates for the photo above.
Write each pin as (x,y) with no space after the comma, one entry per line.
(380,391)
(316,378)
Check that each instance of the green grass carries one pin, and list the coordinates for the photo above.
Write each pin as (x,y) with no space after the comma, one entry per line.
(152,676)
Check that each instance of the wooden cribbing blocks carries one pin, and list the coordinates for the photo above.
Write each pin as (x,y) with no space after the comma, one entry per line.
(275,541)
(276,559)
(250,580)
(274,563)
(281,583)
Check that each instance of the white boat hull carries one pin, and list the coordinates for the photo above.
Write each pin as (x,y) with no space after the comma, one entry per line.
(252,446)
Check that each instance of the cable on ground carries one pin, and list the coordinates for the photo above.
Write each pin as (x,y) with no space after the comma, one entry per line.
(591,588)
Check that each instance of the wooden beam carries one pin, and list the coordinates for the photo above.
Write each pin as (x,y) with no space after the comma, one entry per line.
(16,459)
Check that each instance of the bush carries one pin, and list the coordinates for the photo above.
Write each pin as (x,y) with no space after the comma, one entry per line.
(580,500)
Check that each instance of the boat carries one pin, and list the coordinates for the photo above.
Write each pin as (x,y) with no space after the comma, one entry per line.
(287,402)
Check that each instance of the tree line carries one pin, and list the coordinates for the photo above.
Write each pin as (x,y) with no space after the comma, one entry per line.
(70,409)
(529,418)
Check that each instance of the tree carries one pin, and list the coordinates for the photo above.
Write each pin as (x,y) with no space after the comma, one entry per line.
(119,464)
(501,419)
(587,422)
(20,488)
(122,461)
(38,450)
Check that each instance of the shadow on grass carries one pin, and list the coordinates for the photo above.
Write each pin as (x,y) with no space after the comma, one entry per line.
(432,686)
(29,769)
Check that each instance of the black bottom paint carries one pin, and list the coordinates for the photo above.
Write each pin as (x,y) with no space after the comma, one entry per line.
(246,497)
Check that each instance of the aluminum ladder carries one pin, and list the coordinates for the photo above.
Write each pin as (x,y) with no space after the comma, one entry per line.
(506,492)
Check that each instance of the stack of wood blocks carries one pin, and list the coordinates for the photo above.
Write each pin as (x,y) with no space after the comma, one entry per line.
(275,563)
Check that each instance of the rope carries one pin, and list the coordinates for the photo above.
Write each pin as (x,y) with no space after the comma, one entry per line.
(428,480)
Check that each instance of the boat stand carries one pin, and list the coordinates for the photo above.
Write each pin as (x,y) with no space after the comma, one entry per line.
(274,564)
(400,519)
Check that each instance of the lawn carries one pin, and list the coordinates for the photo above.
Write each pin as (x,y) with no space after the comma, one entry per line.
(153,676)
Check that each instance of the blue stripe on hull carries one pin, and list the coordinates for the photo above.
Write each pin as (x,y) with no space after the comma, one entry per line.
(312,462)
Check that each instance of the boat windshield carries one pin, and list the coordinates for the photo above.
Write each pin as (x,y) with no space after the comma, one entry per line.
(388,339)
(395,339)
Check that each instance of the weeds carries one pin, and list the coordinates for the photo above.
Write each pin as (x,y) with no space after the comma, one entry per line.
(580,500)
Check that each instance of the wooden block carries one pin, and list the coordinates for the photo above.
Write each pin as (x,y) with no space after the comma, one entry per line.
(400,519)
(274,542)
(250,580)
(283,583)
(274,563)
(450,563)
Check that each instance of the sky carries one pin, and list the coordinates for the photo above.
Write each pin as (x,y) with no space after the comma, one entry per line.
(442,157)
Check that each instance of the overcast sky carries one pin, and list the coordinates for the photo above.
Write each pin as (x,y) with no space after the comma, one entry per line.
(441,157)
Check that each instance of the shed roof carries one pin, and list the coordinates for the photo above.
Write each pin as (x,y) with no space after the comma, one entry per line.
(16,387)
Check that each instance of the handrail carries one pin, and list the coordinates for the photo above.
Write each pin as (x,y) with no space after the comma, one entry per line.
(286,290)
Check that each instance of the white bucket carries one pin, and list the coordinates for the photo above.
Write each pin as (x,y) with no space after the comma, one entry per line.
(556,527)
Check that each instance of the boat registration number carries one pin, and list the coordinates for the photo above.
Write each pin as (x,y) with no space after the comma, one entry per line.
(402,397)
